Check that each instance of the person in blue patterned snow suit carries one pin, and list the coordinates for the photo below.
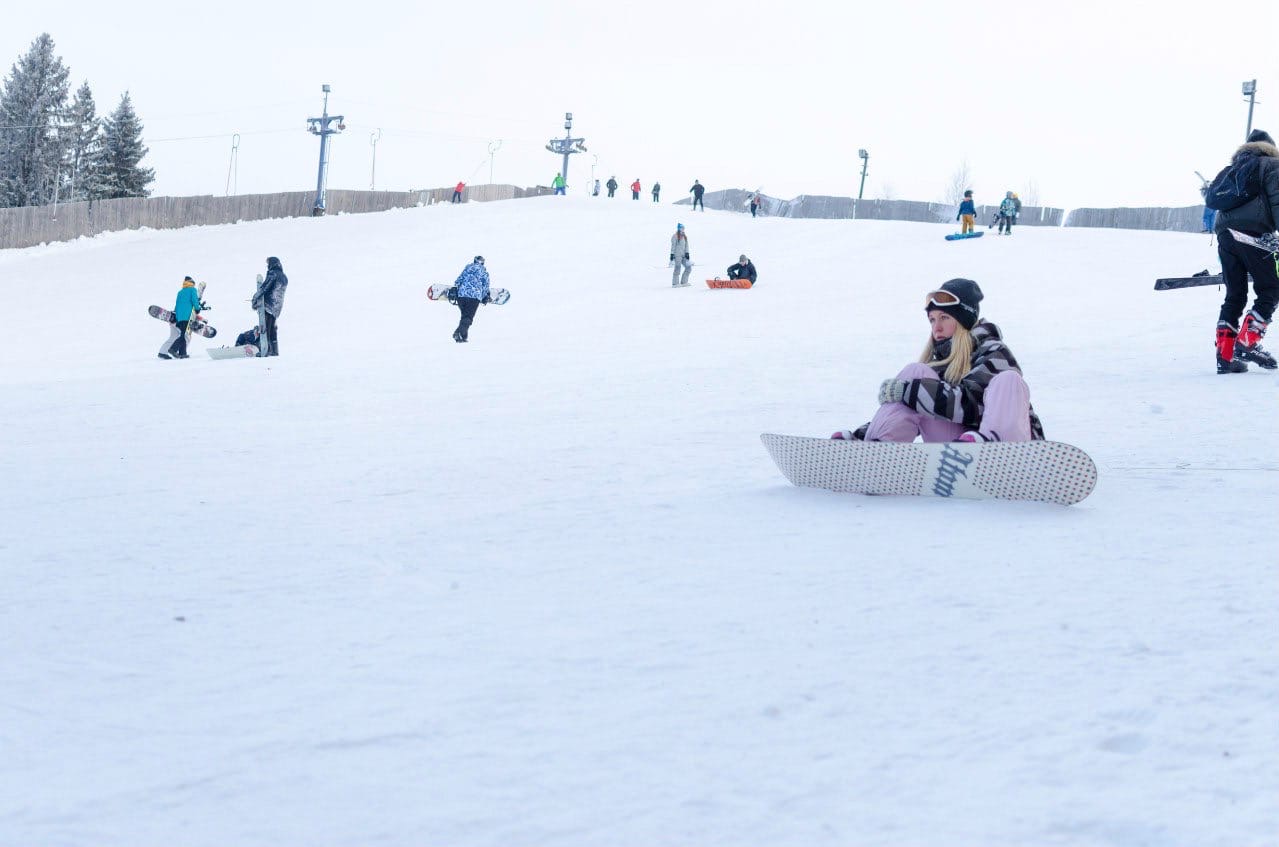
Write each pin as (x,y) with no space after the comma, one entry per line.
(271,294)
(472,290)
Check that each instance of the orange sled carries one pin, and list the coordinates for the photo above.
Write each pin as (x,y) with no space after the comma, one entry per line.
(728,283)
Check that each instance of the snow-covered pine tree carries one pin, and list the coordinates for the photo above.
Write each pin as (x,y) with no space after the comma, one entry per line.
(122,150)
(81,172)
(32,104)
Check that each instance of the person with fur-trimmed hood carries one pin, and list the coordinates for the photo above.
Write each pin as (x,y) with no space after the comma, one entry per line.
(271,295)
(472,290)
(965,387)
(1236,344)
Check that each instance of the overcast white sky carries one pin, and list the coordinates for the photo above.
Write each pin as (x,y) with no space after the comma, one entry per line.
(1098,103)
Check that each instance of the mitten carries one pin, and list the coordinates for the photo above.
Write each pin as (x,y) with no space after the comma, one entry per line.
(672,257)
(891,391)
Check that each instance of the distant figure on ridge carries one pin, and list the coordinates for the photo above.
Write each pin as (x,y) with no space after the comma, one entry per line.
(755,204)
(967,213)
(457,192)
(698,190)
(612,185)
(657,189)
(595,192)
(558,184)
(635,189)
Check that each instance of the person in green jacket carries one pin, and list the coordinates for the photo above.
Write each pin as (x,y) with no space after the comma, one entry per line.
(188,306)
(558,184)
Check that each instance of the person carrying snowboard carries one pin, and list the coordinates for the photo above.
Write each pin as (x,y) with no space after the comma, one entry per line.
(1237,345)
(270,296)
(1007,211)
(965,387)
(187,307)
(472,289)
(680,257)
(635,189)
(611,185)
(657,189)
(967,213)
(698,190)
(742,270)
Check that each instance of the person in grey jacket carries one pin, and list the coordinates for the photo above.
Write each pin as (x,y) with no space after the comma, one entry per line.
(680,257)
(271,295)
(1236,344)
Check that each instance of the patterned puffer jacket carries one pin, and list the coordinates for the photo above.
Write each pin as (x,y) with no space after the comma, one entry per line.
(272,289)
(473,282)
(962,403)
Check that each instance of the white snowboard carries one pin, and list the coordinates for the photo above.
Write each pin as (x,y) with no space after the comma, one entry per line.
(242,352)
(1010,470)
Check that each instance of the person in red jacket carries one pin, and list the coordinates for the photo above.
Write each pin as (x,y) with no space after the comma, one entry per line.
(457,192)
(635,189)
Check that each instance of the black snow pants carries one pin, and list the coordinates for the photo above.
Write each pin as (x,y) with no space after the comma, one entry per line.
(467,305)
(1237,261)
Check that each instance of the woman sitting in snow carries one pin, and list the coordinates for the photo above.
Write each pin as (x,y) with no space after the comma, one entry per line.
(965,387)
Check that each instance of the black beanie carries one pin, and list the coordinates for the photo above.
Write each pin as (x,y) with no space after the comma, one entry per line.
(1260,135)
(967,309)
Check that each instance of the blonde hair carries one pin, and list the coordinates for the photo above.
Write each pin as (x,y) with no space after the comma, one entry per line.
(960,361)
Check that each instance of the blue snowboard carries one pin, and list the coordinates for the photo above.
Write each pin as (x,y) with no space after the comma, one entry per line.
(955,236)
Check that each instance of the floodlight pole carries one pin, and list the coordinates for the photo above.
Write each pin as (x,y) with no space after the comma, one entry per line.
(320,126)
(374,138)
(494,146)
(865,157)
(1250,90)
(566,145)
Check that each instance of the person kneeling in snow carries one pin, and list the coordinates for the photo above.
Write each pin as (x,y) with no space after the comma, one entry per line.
(965,387)
(742,270)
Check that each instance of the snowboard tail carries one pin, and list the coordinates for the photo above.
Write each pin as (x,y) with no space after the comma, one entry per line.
(241,352)
(199,325)
(440,291)
(728,283)
(1046,471)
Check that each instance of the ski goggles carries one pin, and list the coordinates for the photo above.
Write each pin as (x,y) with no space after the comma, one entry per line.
(941,298)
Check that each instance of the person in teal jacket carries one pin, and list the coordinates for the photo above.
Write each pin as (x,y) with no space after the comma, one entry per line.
(188,306)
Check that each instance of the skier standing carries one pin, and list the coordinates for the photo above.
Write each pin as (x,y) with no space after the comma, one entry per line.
(680,257)
(744,269)
(1007,211)
(635,189)
(965,387)
(611,185)
(186,307)
(472,290)
(657,189)
(967,212)
(1237,345)
(270,295)
(698,190)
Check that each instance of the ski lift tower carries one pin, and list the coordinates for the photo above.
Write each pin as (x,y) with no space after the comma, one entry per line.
(320,126)
(567,145)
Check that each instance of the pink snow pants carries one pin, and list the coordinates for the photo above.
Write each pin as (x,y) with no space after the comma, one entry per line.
(1006,416)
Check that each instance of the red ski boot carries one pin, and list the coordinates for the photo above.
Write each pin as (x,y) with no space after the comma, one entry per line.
(1248,345)
(1226,361)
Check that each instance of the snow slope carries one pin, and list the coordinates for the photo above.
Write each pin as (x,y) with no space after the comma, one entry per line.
(547,588)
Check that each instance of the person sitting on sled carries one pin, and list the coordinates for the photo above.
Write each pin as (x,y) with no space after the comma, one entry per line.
(965,387)
(742,270)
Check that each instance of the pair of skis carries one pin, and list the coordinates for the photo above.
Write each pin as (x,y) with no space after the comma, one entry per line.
(1268,242)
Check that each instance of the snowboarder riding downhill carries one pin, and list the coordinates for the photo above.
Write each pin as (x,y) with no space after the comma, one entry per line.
(965,387)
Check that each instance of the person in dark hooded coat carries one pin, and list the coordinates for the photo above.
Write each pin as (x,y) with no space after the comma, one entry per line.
(270,295)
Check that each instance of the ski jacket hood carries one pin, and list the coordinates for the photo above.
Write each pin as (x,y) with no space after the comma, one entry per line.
(1259,214)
